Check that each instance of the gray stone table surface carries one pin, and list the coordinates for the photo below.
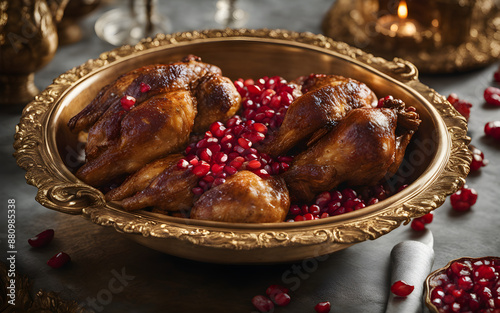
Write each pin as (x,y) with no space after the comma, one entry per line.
(109,273)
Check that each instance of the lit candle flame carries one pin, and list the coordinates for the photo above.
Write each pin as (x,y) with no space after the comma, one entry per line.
(402,9)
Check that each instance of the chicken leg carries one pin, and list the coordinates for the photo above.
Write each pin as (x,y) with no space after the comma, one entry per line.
(360,150)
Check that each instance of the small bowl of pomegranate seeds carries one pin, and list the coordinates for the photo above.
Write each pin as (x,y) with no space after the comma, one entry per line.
(465,285)
(228,155)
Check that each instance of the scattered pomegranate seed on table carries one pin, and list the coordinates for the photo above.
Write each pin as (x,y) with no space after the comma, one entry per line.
(478,159)
(492,96)
(492,129)
(42,239)
(418,223)
(463,199)
(322,307)
(402,288)
(262,303)
(462,106)
(59,260)
(282,299)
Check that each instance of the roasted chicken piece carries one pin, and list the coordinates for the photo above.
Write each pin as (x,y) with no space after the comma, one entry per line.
(168,191)
(326,100)
(244,198)
(120,142)
(141,179)
(361,149)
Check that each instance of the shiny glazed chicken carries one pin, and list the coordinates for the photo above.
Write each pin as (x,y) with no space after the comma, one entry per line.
(244,198)
(167,100)
(332,123)
(326,99)
(364,147)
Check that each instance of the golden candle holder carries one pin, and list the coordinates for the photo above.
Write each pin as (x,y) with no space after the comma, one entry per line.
(438,36)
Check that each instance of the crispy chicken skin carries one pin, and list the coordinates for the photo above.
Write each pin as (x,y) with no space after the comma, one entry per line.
(360,150)
(157,127)
(120,142)
(326,100)
(162,78)
(141,179)
(218,100)
(244,198)
(169,191)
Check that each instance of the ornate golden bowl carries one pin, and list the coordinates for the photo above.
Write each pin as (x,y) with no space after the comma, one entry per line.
(433,278)
(436,164)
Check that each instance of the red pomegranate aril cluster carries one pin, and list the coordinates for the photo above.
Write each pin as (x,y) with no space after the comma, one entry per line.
(229,147)
(468,285)
(478,159)
(276,294)
(492,96)
(492,129)
(463,199)
(462,106)
(336,202)
(419,223)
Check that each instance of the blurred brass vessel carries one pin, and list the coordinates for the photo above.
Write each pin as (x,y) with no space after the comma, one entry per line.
(28,41)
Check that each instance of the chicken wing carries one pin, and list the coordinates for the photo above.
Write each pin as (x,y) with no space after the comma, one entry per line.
(326,100)
(360,150)
(244,198)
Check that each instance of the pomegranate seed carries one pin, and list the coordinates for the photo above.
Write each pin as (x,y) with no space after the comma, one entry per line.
(182,164)
(492,96)
(198,191)
(254,164)
(262,303)
(58,260)
(484,271)
(478,159)
(254,89)
(401,288)
(492,129)
(496,76)
(299,218)
(145,87)
(282,299)
(314,209)
(217,129)
(295,210)
(275,289)
(417,224)
(462,106)
(322,307)
(127,102)
(381,101)
(463,199)
(201,169)
(206,155)
(42,239)
(427,218)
